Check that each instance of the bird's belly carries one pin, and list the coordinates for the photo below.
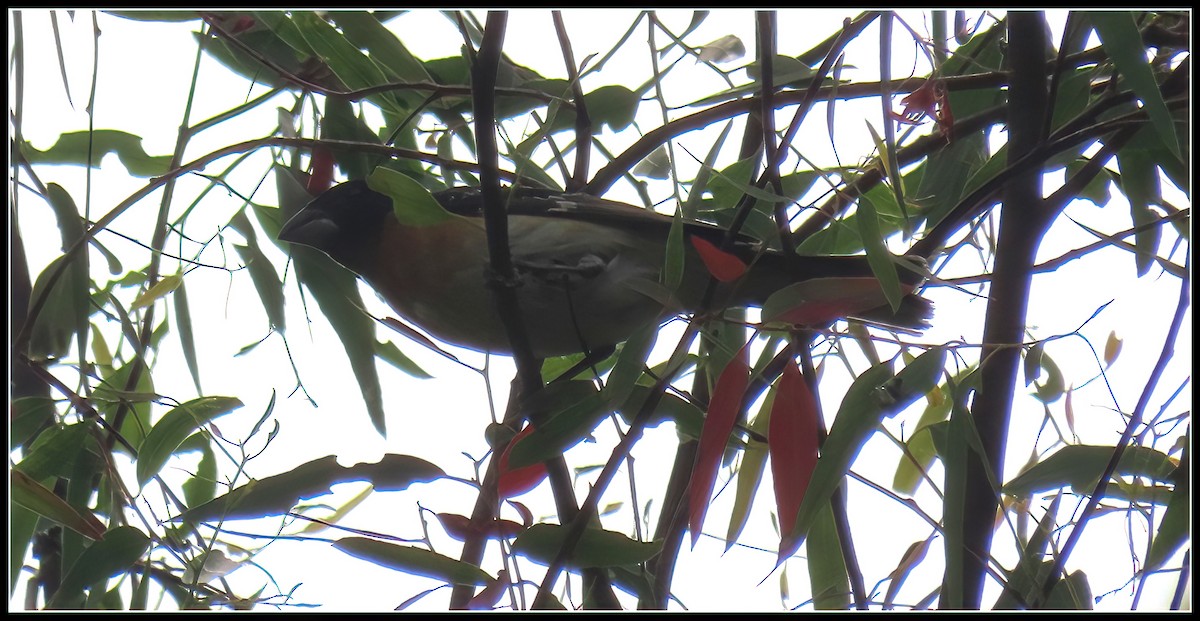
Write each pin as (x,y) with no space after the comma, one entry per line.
(558,320)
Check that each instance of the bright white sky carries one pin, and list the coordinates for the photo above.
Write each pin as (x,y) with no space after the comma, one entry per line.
(145,71)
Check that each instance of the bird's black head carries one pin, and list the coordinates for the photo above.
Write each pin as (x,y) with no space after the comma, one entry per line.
(344,222)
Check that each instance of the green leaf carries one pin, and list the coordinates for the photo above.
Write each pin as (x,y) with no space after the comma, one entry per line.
(413,560)
(163,287)
(35,497)
(955,446)
(413,204)
(730,184)
(27,416)
(564,429)
(55,451)
(1140,182)
(365,31)
(1054,387)
(22,524)
(750,471)
(187,339)
(347,62)
(1073,593)
(630,362)
(1025,580)
(1174,529)
(117,552)
(827,564)
(688,418)
(596,547)
(876,393)
(1080,467)
(83,148)
(612,105)
(336,291)
(393,356)
(202,487)
(1123,43)
(276,495)
(175,427)
(920,445)
(266,282)
(1097,190)
(881,260)
(67,302)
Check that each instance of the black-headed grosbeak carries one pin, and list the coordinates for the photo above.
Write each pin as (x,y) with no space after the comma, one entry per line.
(588,269)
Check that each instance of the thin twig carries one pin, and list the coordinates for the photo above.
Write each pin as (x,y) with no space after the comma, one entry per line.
(583,123)
(1135,419)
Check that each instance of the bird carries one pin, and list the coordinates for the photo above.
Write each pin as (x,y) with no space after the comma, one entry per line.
(588,270)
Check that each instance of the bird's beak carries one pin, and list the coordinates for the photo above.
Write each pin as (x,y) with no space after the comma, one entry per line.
(310,227)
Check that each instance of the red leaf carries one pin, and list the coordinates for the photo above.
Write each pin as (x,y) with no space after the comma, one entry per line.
(455,525)
(526,514)
(322,171)
(459,527)
(723,266)
(723,409)
(928,101)
(792,442)
(521,480)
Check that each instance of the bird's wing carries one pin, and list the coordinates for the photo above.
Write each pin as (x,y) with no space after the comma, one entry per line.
(581,207)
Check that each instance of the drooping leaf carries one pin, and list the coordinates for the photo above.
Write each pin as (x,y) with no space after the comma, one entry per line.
(266,282)
(518,480)
(35,497)
(187,338)
(920,446)
(792,438)
(1174,529)
(723,410)
(1122,42)
(908,562)
(565,429)
(336,291)
(881,260)
(749,474)
(67,301)
(54,452)
(826,564)
(1140,182)
(348,63)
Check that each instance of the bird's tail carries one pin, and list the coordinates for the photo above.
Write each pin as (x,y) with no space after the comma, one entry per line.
(814,290)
